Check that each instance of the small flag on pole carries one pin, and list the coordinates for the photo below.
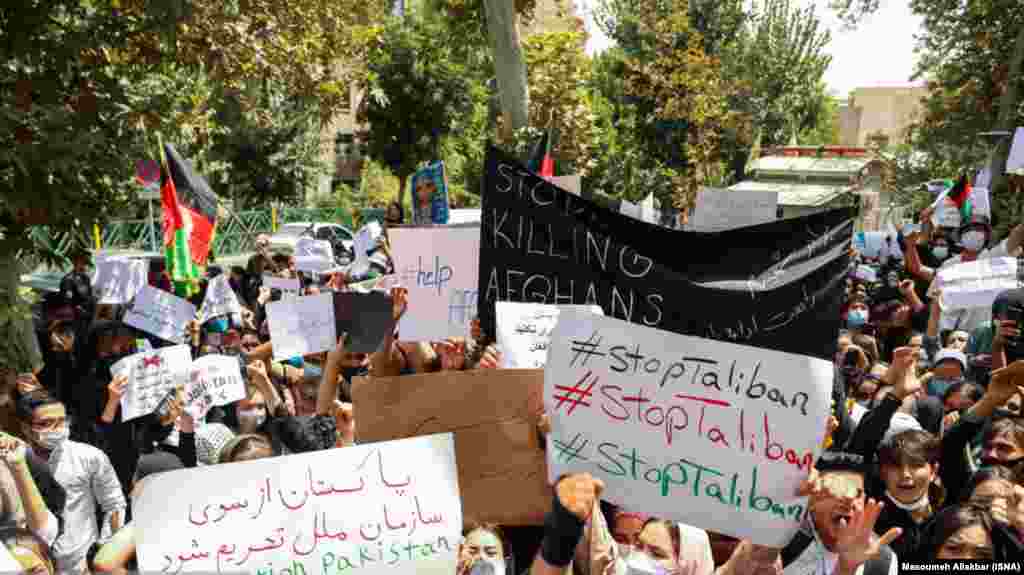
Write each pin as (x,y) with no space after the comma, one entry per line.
(190,220)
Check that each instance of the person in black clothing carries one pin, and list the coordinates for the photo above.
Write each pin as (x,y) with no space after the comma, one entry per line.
(970,532)
(76,286)
(908,469)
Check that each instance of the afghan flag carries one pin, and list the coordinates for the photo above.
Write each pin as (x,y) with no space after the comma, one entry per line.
(960,194)
(541,161)
(190,220)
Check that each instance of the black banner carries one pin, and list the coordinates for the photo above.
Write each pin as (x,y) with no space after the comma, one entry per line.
(777,285)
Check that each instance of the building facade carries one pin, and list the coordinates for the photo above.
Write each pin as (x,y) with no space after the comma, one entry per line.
(883,111)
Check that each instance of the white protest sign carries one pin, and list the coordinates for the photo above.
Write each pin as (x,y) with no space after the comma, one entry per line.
(439,266)
(524,331)
(382,283)
(628,208)
(712,434)
(365,241)
(220,299)
(117,280)
(161,314)
(290,286)
(302,326)
(719,210)
(1015,161)
(387,508)
(314,264)
(151,376)
(981,204)
(213,380)
(976,284)
(314,248)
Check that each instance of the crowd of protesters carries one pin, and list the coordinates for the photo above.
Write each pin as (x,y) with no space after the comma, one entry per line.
(925,459)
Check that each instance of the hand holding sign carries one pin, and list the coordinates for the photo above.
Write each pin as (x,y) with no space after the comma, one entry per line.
(577,493)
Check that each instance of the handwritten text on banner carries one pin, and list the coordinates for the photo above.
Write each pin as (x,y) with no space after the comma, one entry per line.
(390,507)
(161,314)
(302,326)
(713,434)
(213,380)
(117,280)
(151,376)
(524,332)
(439,266)
(220,299)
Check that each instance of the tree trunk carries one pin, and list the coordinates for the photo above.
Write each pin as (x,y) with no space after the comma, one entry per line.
(1007,117)
(508,62)
(19,352)
(402,180)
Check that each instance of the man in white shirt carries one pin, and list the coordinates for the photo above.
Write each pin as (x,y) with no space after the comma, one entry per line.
(21,503)
(973,239)
(83,471)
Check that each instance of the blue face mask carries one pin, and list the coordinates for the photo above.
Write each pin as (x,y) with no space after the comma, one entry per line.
(295,362)
(940,252)
(219,325)
(856,318)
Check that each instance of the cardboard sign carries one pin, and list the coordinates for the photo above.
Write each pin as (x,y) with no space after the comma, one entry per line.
(161,314)
(570,184)
(384,508)
(719,210)
(302,326)
(524,332)
(777,285)
(151,377)
(712,434)
(366,318)
(213,380)
(117,280)
(976,284)
(439,267)
(219,300)
(501,465)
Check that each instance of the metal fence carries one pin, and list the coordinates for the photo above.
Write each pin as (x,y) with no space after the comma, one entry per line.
(236,233)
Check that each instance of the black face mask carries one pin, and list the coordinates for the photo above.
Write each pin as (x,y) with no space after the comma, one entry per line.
(349,372)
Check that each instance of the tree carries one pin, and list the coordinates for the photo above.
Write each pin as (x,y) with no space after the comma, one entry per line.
(417,94)
(73,121)
(559,71)
(970,58)
(782,61)
(853,12)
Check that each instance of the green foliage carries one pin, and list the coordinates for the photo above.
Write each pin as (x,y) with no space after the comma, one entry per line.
(820,127)
(378,186)
(416,92)
(782,62)
(853,12)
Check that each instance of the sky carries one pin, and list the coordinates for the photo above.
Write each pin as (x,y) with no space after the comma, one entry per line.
(880,52)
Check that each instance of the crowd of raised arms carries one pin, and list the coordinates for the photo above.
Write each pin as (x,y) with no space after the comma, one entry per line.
(924,459)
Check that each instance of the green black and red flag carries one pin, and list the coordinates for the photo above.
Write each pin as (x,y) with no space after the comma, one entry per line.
(190,220)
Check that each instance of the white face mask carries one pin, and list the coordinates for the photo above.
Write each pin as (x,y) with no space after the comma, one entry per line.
(488,567)
(973,240)
(50,440)
(640,563)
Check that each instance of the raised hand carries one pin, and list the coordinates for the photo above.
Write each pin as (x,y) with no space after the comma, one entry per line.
(27,383)
(1005,382)
(857,543)
(902,373)
(12,449)
(578,493)
(400,302)
(452,353)
(490,359)
(116,387)
(345,422)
